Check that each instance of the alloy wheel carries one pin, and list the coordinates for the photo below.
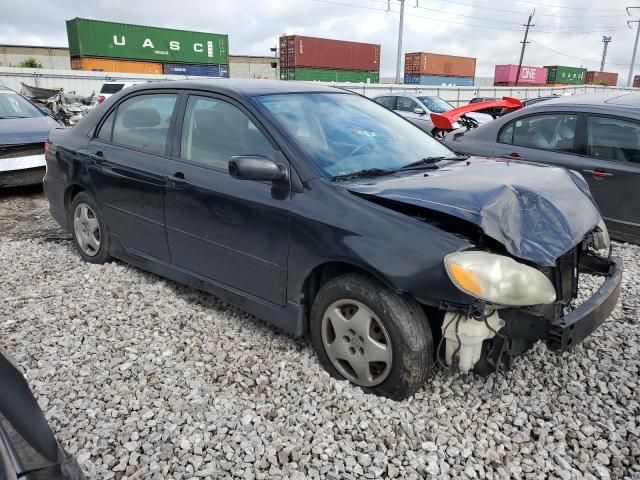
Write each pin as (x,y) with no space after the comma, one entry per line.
(87,229)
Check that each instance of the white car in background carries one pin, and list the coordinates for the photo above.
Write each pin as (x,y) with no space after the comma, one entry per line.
(417,108)
(111,88)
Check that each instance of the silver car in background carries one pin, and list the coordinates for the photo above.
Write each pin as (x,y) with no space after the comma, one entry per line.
(417,108)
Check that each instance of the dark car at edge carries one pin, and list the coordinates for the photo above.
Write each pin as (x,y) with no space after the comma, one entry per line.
(597,135)
(28,448)
(328,215)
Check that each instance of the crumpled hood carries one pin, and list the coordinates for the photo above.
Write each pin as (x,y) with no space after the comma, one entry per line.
(537,212)
(14,131)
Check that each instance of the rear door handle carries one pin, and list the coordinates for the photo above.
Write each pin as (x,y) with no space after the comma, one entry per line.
(97,157)
(598,173)
(178,180)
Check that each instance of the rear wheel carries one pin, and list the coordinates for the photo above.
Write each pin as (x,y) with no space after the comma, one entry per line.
(366,333)
(89,232)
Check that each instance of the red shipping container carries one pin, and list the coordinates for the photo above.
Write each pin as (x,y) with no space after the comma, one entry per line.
(300,51)
(636,81)
(424,63)
(602,78)
(528,75)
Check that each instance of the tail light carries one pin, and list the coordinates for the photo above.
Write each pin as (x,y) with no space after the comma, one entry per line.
(101,98)
(47,143)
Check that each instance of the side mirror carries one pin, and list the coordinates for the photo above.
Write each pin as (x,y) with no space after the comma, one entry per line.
(256,167)
(419,111)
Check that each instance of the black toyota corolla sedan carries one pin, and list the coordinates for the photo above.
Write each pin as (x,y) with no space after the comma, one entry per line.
(326,214)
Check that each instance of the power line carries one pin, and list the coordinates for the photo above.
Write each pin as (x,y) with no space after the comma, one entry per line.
(522,12)
(586,60)
(471,25)
(550,5)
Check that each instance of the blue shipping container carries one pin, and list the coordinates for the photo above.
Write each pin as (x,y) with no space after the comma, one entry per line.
(436,80)
(192,70)
(411,79)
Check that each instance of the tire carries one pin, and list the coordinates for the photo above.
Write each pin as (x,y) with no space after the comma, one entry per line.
(402,329)
(88,230)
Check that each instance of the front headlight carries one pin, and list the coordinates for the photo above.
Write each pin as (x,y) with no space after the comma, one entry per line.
(498,279)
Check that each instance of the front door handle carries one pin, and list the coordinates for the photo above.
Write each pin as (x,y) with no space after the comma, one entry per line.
(598,173)
(178,180)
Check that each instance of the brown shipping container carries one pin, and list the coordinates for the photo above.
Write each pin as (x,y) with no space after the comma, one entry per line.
(424,63)
(299,51)
(602,78)
(636,81)
(112,65)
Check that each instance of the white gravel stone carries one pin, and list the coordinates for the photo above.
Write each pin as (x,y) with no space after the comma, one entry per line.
(140,377)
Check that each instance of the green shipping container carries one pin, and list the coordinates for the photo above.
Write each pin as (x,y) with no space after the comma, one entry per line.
(328,75)
(570,75)
(93,38)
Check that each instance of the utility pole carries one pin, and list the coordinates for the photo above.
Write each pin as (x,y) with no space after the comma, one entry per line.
(524,43)
(400,28)
(606,41)
(635,48)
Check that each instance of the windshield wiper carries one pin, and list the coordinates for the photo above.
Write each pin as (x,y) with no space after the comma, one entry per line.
(12,116)
(427,161)
(367,172)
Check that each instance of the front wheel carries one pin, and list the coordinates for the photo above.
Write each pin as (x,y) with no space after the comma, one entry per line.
(366,333)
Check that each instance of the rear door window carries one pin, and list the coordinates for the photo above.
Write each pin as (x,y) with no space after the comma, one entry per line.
(214,131)
(613,139)
(546,131)
(142,122)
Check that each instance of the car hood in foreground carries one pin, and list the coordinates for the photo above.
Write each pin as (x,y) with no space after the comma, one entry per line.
(538,213)
(14,131)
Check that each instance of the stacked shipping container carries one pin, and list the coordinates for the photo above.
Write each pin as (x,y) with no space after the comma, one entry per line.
(608,79)
(120,47)
(561,75)
(434,69)
(636,81)
(310,58)
(505,75)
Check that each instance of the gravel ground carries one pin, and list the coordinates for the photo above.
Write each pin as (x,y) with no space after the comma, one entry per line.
(143,378)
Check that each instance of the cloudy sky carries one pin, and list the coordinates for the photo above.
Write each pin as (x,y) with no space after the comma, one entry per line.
(567,32)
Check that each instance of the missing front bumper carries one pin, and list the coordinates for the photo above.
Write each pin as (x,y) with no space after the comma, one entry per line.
(523,328)
(578,324)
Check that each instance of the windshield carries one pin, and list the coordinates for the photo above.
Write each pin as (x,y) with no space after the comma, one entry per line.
(345,133)
(436,104)
(13,105)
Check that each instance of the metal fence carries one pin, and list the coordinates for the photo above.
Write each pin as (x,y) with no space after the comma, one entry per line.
(462,95)
(85,82)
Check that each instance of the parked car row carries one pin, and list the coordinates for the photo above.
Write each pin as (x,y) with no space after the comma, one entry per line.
(326,214)
(418,108)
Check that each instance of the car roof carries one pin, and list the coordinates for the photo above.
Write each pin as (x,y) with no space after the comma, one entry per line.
(249,87)
(617,98)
